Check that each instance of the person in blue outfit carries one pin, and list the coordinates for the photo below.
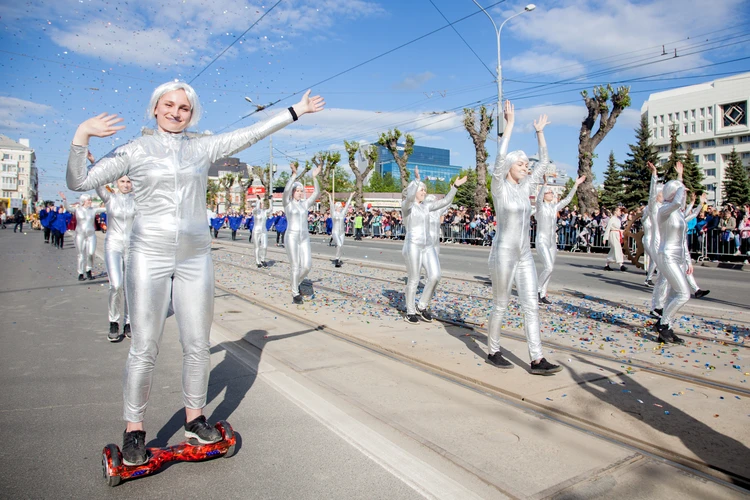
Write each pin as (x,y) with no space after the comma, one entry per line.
(235,221)
(249,225)
(60,226)
(44,214)
(217,223)
(280,223)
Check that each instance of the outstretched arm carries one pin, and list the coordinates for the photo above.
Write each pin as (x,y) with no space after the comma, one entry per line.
(541,168)
(286,197)
(316,191)
(219,146)
(540,195)
(653,190)
(566,201)
(499,173)
(411,196)
(448,199)
(108,169)
(348,203)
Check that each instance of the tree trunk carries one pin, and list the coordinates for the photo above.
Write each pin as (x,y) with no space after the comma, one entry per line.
(479,137)
(359,177)
(588,201)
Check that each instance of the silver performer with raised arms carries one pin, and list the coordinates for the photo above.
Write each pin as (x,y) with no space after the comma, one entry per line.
(85,239)
(260,233)
(511,261)
(338,229)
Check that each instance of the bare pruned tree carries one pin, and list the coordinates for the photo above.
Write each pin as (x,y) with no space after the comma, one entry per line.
(478,133)
(390,141)
(598,110)
(370,152)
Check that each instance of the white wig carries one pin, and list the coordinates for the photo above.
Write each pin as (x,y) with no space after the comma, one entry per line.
(299,185)
(513,157)
(670,189)
(192,97)
(430,198)
(84,198)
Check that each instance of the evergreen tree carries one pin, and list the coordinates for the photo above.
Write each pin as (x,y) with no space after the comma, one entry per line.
(736,181)
(636,176)
(381,184)
(667,171)
(568,186)
(465,194)
(612,190)
(692,176)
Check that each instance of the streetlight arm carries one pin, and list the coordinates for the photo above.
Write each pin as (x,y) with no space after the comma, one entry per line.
(511,17)
(488,15)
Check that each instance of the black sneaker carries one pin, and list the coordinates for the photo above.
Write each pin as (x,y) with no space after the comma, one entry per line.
(544,300)
(259,265)
(297,299)
(202,431)
(264,264)
(498,360)
(544,367)
(412,318)
(674,339)
(649,283)
(88,275)
(665,333)
(126,330)
(134,448)
(425,313)
(338,263)
(114,332)
(623,268)
(81,277)
(607,268)
(701,293)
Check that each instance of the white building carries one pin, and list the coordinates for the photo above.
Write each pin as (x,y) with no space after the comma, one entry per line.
(18,175)
(711,118)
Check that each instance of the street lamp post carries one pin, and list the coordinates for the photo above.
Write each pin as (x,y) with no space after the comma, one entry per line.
(500,116)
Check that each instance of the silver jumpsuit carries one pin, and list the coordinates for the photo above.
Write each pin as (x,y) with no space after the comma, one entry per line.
(85,233)
(546,233)
(435,216)
(297,233)
(260,233)
(170,249)
(419,246)
(673,256)
(120,215)
(338,230)
(510,259)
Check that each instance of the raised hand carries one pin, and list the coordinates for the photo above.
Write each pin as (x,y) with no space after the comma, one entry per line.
(509,111)
(679,168)
(704,198)
(541,123)
(316,171)
(416,173)
(580,180)
(293,166)
(652,167)
(102,125)
(460,181)
(309,104)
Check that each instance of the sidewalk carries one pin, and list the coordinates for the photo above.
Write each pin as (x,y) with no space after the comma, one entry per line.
(669,414)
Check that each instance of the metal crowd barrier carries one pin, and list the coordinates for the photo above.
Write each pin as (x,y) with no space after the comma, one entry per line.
(712,245)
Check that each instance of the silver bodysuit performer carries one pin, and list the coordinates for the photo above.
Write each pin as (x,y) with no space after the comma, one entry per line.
(297,242)
(260,233)
(674,261)
(120,215)
(170,250)
(435,217)
(511,261)
(338,217)
(419,248)
(546,234)
(85,239)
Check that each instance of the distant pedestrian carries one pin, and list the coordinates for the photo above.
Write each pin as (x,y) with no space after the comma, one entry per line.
(3,218)
(613,235)
(60,226)
(19,220)
(358,224)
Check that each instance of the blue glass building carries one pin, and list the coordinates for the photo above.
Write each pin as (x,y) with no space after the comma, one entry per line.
(434,163)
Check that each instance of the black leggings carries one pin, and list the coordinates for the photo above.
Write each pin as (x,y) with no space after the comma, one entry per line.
(280,235)
(46,234)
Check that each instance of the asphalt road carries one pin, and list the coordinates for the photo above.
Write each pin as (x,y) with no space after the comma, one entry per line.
(574,273)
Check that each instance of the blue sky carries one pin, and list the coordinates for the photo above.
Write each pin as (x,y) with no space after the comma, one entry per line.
(62,61)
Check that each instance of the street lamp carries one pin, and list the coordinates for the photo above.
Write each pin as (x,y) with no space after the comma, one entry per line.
(500,116)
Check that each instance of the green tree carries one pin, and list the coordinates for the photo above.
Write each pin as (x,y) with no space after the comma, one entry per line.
(667,171)
(465,194)
(736,181)
(692,175)
(226,184)
(437,187)
(212,189)
(612,189)
(389,140)
(381,184)
(478,133)
(282,179)
(598,109)
(636,176)
(568,186)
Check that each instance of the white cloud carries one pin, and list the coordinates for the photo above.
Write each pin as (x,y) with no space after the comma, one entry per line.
(15,113)
(183,31)
(599,29)
(533,62)
(414,81)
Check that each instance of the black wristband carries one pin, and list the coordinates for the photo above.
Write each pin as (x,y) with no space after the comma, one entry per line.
(294,115)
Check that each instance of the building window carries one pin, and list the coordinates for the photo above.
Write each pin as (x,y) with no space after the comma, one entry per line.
(696,158)
(744,139)
(711,187)
(670,117)
(709,143)
(695,145)
(734,114)
(692,114)
(727,140)
(6,156)
(703,126)
(663,149)
(662,161)
(653,134)
(692,127)
(677,116)
(661,119)
(661,132)
(746,156)
(710,172)
(656,120)
(686,128)
(708,111)
(709,158)
(710,124)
